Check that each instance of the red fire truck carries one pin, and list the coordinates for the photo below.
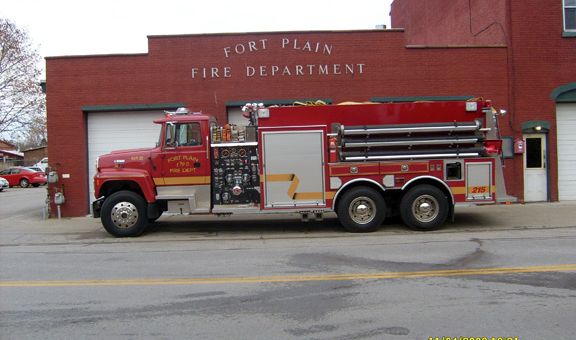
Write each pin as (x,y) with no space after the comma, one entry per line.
(365,162)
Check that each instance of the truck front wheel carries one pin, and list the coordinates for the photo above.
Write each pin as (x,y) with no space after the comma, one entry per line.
(424,207)
(123,214)
(361,209)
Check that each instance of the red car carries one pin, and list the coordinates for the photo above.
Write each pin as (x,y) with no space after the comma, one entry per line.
(23,177)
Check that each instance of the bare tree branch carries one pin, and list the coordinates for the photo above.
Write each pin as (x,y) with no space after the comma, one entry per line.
(22,103)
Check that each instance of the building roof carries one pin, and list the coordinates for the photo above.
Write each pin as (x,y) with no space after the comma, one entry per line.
(5,145)
(35,148)
(12,153)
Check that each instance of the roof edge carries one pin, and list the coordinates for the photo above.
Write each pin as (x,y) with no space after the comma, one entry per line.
(113,55)
(391,30)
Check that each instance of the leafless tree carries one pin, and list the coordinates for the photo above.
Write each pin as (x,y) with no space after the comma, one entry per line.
(34,135)
(22,103)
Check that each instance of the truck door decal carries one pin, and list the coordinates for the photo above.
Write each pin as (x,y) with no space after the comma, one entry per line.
(292,194)
(184,160)
(479,181)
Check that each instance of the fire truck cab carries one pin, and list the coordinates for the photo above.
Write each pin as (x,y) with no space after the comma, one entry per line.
(363,161)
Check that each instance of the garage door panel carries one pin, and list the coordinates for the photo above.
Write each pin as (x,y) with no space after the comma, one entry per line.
(108,131)
(566,139)
(235,116)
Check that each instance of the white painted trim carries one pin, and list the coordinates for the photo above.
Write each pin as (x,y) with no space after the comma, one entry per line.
(564,6)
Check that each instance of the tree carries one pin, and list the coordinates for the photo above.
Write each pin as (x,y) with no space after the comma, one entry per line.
(34,135)
(22,103)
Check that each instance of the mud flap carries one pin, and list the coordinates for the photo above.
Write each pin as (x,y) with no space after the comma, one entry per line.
(153,210)
(96,207)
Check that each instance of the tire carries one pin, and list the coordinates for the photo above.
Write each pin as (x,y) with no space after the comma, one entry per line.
(424,208)
(361,210)
(24,183)
(123,214)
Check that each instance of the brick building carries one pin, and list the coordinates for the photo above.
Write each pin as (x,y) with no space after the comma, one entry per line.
(34,155)
(4,145)
(9,155)
(99,103)
(540,40)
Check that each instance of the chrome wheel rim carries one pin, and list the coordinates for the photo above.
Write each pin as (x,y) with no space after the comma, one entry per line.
(124,215)
(362,210)
(425,208)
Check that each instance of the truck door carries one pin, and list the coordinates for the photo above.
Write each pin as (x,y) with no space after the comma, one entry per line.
(293,168)
(185,167)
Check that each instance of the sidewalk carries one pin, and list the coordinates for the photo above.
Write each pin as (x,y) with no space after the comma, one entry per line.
(82,230)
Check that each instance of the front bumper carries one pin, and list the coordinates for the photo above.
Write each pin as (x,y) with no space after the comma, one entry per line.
(96,207)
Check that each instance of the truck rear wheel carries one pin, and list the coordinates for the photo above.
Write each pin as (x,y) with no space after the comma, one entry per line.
(123,214)
(424,208)
(361,209)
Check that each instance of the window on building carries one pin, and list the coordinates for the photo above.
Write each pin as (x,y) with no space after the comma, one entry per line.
(570,15)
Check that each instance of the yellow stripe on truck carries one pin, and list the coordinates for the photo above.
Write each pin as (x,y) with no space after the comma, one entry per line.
(182,180)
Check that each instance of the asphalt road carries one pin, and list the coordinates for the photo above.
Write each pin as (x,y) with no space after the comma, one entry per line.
(237,280)
(18,202)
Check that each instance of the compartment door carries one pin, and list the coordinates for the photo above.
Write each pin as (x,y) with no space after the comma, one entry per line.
(479,181)
(293,167)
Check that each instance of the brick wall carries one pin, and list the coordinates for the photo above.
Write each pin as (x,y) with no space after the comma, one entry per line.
(451,22)
(7,146)
(539,59)
(165,75)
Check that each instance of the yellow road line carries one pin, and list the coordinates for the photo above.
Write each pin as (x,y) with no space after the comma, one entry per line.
(290,278)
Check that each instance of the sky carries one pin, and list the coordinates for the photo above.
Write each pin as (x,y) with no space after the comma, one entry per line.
(76,27)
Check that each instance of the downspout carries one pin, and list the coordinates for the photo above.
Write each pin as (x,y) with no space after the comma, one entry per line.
(519,173)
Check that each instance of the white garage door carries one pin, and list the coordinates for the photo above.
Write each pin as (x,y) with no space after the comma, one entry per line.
(235,116)
(566,125)
(109,131)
